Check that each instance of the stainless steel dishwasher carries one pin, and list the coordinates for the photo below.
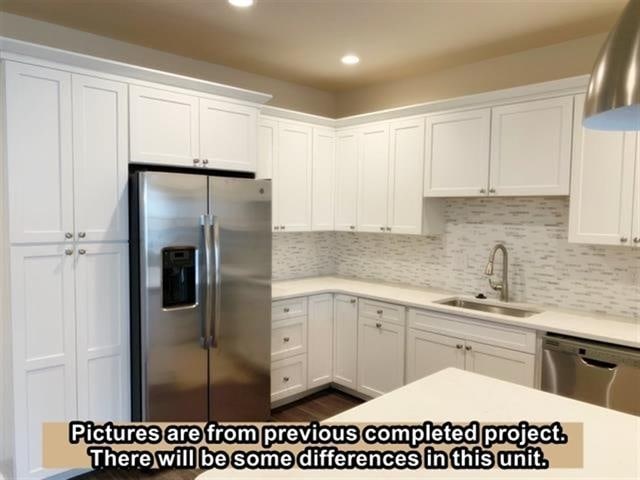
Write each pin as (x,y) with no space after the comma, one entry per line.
(593,372)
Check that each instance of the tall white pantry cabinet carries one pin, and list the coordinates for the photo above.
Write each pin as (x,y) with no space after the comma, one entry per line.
(66,175)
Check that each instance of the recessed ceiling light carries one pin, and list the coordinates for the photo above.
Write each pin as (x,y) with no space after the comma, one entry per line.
(350,59)
(241,3)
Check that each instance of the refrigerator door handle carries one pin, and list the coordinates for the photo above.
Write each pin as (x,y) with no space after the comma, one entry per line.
(215,320)
(206,222)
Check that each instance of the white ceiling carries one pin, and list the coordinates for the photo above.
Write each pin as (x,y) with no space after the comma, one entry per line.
(303,40)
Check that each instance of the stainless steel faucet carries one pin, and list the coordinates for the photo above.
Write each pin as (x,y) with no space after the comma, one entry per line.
(503,286)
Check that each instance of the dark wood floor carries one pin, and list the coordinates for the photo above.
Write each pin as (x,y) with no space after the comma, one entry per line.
(318,406)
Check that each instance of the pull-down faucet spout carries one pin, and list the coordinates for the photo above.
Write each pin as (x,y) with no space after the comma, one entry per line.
(502,286)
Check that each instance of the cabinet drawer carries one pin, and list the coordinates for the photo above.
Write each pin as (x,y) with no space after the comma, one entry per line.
(382,311)
(476,330)
(293,307)
(288,338)
(288,377)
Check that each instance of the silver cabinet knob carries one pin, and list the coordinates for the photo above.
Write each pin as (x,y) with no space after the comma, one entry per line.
(636,240)
(353,300)
(82,251)
(68,235)
(82,234)
(286,309)
(492,190)
(196,161)
(285,379)
(352,227)
(382,229)
(285,339)
(467,348)
(205,161)
(276,228)
(388,229)
(378,325)
(281,227)
(624,239)
(459,346)
(379,312)
(68,251)
(482,190)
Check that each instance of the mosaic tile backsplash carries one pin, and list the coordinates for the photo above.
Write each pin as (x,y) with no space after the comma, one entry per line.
(543,267)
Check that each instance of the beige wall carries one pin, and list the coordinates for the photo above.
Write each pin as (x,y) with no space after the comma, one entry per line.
(575,57)
(285,94)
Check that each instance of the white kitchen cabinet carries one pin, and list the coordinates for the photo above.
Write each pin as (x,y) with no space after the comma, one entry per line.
(228,135)
(602,186)
(292,176)
(39,153)
(288,377)
(346,180)
(320,345)
(44,353)
(501,363)
(429,353)
(531,147)
(345,340)
(380,356)
(323,161)
(373,178)
(457,153)
(267,147)
(102,319)
(288,337)
(636,203)
(164,127)
(100,141)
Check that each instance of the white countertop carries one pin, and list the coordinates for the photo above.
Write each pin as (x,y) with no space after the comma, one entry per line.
(604,328)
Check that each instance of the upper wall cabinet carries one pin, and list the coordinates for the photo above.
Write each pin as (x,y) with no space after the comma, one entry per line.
(602,187)
(322,176)
(346,180)
(457,154)
(292,171)
(66,156)
(170,128)
(267,147)
(373,178)
(531,147)
(164,127)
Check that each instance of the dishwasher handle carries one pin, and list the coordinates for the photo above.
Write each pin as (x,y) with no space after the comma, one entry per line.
(592,362)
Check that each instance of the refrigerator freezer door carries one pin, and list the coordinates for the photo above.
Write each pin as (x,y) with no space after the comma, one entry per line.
(239,357)
(174,359)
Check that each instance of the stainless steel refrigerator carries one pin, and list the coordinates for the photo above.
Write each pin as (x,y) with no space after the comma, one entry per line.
(201,297)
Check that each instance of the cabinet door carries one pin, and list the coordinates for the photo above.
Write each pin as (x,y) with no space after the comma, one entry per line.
(163,127)
(345,340)
(531,148)
(267,143)
(636,205)
(457,154)
(429,353)
(294,177)
(346,183)
(380,356)
(500,363)
(44,340)
(228,135)
(320,345)
(373,178)
(100,139)
(39,153)
(322,179)
(601,185)
(406,176)
(102,318)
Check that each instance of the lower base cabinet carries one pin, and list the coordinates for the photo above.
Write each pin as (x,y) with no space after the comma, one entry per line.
(288,377)
(345,340)
(429,353)
(320,344)
(500,363)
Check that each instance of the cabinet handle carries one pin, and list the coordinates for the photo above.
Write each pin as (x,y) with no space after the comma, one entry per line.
(379,312)
(636,240)
(68,235)
(68,251)
(352,227)
(467,348)
(281,227)
(482,190)
(459,346)
(353,300)
(382,229)
(82,234)
(285,379)
(276,228)
(82,251)
(492,190)
(378,325)
(205,161)
(388,229)
(286,309)
(196,161)
(624,239)
(285,339)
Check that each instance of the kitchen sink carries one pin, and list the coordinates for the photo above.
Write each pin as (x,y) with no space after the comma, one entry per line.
(487,307)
